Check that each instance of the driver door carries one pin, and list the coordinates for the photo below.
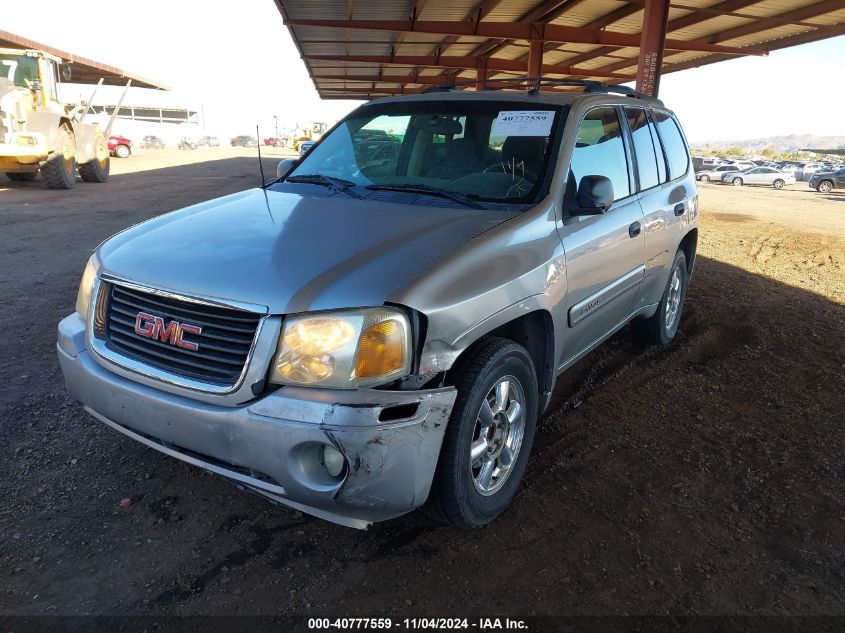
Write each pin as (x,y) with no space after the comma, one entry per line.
(605,253)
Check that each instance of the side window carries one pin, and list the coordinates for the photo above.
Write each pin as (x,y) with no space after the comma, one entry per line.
(599,151)
(643,147)
(661,154)
(673,144)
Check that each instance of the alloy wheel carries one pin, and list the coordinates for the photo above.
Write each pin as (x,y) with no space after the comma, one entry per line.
(497,437)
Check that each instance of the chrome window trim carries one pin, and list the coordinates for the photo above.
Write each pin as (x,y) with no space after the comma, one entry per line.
(129,364)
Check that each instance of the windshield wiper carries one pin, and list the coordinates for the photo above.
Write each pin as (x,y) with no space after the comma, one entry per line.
(338,184)
(432,191)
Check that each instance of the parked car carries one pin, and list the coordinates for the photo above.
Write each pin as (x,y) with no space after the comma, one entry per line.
(714,173)
(244,141)
(275,142)
(305,146)
(187,143)
(357,339)
(805,170)
(760,176)
(120,146)
(209,141)
(827,181)
(152,142)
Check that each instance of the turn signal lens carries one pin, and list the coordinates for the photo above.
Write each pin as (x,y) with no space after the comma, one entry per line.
(381,350)
(86,285)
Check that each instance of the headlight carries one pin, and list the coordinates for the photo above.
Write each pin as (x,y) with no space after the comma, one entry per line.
(345,350)
(83,296)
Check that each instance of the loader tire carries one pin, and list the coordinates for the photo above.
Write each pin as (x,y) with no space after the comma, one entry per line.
(60,169)
(97,169)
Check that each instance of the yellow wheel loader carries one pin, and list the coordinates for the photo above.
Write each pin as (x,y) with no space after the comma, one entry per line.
(35,131)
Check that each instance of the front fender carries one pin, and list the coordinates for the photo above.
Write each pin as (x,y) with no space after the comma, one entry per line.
(513,269)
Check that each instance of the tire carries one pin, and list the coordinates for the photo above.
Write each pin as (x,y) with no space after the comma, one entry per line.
(704,178)
(97,169)
(466,493)
(737,182)
(122,151)
(661,328)
(825,186)
(59,171)
(22,176)
(778,184)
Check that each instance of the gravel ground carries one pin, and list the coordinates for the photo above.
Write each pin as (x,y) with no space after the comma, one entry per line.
(704,478)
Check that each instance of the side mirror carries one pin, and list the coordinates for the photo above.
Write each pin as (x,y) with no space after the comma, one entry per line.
(285,166)
(64,71)
(595,196)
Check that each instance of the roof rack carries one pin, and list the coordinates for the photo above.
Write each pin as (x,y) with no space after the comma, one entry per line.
(537,82)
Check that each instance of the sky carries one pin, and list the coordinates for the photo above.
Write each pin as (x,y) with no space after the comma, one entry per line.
(236,64)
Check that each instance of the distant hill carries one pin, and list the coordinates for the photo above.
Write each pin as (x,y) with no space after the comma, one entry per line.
(790,143)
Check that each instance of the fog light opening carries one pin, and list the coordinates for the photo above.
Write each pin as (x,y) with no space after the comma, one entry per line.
(332,460)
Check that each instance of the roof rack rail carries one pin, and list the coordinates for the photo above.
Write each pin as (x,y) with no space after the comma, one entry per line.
(537,82)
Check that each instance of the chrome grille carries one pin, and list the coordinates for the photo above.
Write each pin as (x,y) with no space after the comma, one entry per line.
(224,342)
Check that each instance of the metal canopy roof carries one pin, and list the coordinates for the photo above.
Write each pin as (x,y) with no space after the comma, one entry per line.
(83,71)
(359,49)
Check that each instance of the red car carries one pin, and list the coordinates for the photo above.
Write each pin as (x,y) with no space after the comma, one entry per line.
(120,146)
(274,142)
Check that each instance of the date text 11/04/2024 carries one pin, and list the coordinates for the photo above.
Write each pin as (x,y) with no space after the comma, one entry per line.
(481,624)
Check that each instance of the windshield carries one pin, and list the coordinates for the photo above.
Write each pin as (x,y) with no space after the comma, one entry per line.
(495,151)
(19,69)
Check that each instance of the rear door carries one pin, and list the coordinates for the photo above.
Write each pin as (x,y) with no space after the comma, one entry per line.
(604,253)
(666,204)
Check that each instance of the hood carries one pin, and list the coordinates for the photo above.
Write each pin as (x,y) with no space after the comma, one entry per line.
(291,252)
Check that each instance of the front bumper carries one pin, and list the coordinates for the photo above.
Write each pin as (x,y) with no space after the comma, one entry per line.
(271,445)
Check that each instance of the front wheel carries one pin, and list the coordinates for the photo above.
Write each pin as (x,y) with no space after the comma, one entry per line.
(778,184)
(59,172)
(489,435)
(737,182)
(825,186)
(97,169)
(122,151)
(704,178)
(661,328)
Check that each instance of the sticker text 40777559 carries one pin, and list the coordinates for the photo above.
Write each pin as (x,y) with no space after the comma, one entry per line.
(523,123)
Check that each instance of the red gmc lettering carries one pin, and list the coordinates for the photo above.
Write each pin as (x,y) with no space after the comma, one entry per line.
(153,327)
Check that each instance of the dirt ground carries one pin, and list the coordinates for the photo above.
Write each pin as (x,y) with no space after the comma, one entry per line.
(705,478)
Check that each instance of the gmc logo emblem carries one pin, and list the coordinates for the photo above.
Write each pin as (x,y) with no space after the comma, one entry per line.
(152,326)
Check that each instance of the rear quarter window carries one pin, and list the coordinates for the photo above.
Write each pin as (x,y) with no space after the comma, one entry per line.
(677,157)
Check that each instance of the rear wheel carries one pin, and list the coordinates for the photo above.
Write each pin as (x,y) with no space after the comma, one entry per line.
(97,169)
(60,169)
(22,177)
(778,184)
(489,435)
(825,186)
(737,182)
(661,328)
(122,151)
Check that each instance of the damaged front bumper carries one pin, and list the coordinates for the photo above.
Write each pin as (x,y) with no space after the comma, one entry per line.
(272,446)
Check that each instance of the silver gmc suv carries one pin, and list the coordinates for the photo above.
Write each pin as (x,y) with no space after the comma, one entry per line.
(380,327)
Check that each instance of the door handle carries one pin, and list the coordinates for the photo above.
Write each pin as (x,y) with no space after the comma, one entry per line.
(634,229)
(680,209)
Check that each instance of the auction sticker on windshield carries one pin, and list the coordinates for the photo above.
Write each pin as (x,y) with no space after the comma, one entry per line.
(523,123)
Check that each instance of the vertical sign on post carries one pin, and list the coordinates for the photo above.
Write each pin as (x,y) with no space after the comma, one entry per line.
(652,42)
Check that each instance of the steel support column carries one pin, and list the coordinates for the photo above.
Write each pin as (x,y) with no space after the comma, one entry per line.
(652,44)
(535,58)
(481,77)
